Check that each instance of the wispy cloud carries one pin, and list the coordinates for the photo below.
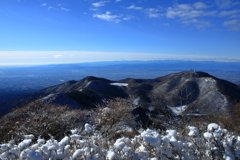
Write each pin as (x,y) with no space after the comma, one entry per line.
(231,13)
(191,14)
(108,17)
(200,5)
(134,7)
(58,7)
(100,3)
(153,12)
(58,56)
(128,17)
(235,16)
(234,25)
(50,7)
(223,4)
(118,0)
(186,11)
(194,14)
(64,9)
(197,23)
(54,57)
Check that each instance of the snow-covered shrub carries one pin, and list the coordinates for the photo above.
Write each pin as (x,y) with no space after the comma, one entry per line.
(214,143)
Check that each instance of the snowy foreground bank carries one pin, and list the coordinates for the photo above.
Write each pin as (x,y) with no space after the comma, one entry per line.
(215,143)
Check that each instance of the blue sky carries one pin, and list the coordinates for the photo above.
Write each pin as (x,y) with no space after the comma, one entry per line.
(70,31)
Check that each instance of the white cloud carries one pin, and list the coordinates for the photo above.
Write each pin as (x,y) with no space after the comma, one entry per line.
(228,13)
(190,14)
(232,22)
(153,12)
(184,11)
(93,9)
(210,13)
(34,57)
(50,7)
(200,5)
(184,6)
(100,3)
(197,23)
(108,17)
(57,56)
(191,21)
(44,4)
(154,15)
(64,9)
(128,18)
(118,0)
(58,7)
(134,7)
(235,16)
(234,25)
(224,3)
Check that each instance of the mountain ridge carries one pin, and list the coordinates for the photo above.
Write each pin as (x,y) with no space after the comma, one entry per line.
(198,90)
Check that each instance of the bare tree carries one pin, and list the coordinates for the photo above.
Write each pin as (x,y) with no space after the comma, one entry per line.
(184,96)
(164,103)
(113,115)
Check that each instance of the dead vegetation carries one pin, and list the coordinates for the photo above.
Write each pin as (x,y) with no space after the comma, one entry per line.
(40,120)
(114,118)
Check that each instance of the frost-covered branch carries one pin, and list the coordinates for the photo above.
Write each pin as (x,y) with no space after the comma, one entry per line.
(214,143)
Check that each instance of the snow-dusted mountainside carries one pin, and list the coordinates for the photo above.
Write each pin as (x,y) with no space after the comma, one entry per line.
(198,92)
(77,94)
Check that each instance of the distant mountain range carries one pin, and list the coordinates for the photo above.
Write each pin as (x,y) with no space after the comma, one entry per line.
(189,92)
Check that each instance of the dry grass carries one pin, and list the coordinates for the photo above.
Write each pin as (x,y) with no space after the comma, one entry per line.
(40,120)
(231,123)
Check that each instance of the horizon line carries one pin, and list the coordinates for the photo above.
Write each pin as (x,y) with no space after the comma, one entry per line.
(13,58)
(43,64)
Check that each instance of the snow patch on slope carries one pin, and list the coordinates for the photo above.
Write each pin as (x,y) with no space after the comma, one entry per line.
(47,98)
(136,101)
(209,79)
(119,84)
(178,110)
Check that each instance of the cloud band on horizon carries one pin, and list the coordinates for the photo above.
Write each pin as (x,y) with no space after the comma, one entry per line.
(57,57)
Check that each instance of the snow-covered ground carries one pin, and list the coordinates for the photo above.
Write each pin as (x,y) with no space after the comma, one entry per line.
(214,143)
